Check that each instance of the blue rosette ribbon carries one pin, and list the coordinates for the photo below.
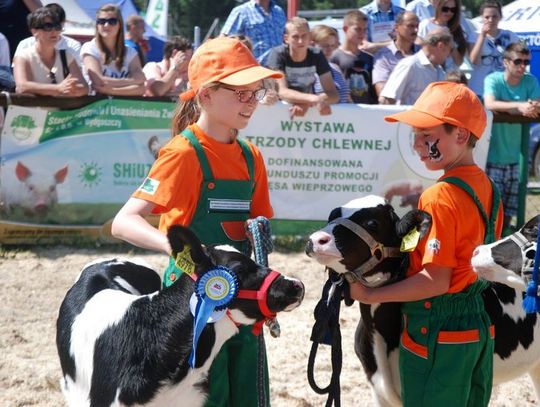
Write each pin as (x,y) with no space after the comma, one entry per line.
(214,290)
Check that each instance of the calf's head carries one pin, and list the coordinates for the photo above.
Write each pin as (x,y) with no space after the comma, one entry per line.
(509,260)
(362,240)
(262,292)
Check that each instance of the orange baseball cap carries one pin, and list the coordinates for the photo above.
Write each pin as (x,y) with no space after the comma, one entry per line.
(225,60)
(445,102)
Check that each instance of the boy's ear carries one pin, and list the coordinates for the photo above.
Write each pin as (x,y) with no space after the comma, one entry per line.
(463,135)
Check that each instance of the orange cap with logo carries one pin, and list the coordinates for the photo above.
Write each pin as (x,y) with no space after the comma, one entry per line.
(445,102)
(225,60)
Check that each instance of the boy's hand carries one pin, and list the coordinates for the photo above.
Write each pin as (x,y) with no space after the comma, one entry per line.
(361,293)
(529,109)
(298,110)
(324,108)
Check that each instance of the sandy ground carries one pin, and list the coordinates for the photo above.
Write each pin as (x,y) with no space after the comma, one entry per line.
(32,286)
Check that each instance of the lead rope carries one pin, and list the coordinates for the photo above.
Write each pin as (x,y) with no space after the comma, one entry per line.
(262,246)
(531,302)
(326,330)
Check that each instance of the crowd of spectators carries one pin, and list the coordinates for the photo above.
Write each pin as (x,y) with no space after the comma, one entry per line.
(388,56)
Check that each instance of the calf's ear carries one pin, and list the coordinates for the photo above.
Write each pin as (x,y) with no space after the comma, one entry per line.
(414,219)
(185,242)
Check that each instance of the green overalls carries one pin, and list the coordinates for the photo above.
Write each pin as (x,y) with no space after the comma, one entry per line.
(240,367)
(446,349)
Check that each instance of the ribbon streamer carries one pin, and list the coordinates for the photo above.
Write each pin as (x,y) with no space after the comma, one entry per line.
(215,290)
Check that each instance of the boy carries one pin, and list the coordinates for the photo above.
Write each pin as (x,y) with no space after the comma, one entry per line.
(327,39)
(512,91)
(301,63)
(355,64)
(446,350)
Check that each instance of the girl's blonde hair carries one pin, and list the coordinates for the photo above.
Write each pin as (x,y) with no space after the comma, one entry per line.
(119,47)
(188,112)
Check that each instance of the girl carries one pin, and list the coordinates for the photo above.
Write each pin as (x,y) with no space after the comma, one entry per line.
(42,69)
(491,41)
(448,14)
(112,68)
(209,180)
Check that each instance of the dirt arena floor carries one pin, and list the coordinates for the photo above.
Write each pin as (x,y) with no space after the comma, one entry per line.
(33,284)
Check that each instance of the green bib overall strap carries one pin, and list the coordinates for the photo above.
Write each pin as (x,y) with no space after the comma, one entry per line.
(490,222)
(223,206)
(237,376)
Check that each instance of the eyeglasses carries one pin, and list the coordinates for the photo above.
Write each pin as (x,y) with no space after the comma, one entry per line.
(448,9)
(246,96)
(48,27)
(110,21)
(52,76)
(488,60)
(519,61)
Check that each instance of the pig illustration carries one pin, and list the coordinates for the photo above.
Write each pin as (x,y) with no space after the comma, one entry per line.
(408,190)
(34,191)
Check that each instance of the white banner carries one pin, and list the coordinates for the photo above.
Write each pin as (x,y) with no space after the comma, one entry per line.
(317,163)
(67,173)
(156,16)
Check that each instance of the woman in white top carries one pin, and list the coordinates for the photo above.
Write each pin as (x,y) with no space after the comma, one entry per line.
(488,49)
(448,14)
(42,69)
(111,66)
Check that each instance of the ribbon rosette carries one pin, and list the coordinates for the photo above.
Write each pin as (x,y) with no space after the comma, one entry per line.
(214,290)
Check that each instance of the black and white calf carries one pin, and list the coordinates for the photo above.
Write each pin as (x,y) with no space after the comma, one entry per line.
(124,342)
(340,248)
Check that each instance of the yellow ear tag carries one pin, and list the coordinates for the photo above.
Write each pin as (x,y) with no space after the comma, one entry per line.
(184,261)
(409,241)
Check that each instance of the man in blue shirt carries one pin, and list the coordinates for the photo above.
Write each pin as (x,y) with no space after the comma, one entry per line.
(263,21)
(381,16)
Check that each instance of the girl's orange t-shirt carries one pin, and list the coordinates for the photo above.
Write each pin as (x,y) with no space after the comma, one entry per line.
(174,181)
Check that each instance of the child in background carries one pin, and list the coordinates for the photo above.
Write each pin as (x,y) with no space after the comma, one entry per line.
(446,347)
(208,179)
(327,39)
(355,64)
(301,63)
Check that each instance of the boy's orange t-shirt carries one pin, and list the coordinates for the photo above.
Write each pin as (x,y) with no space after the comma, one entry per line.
(176,177)
(457,228)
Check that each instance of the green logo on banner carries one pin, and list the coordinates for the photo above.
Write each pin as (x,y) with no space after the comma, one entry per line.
(90,174)
(22,126)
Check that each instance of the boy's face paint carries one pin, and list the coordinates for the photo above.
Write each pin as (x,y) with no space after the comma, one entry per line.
(434,154)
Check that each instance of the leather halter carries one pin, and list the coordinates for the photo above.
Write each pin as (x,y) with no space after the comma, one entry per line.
(378,251)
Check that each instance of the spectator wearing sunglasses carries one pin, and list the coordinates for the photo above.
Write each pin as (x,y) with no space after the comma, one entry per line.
(513,91)
(487,52)
(448,14)
(112,67)
(65,42)
(42,69)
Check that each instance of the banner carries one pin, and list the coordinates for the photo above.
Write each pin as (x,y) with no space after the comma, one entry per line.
(156,16)
(65,174)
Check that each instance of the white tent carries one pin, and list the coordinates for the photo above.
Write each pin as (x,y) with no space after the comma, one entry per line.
(522,16)
(78,23)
